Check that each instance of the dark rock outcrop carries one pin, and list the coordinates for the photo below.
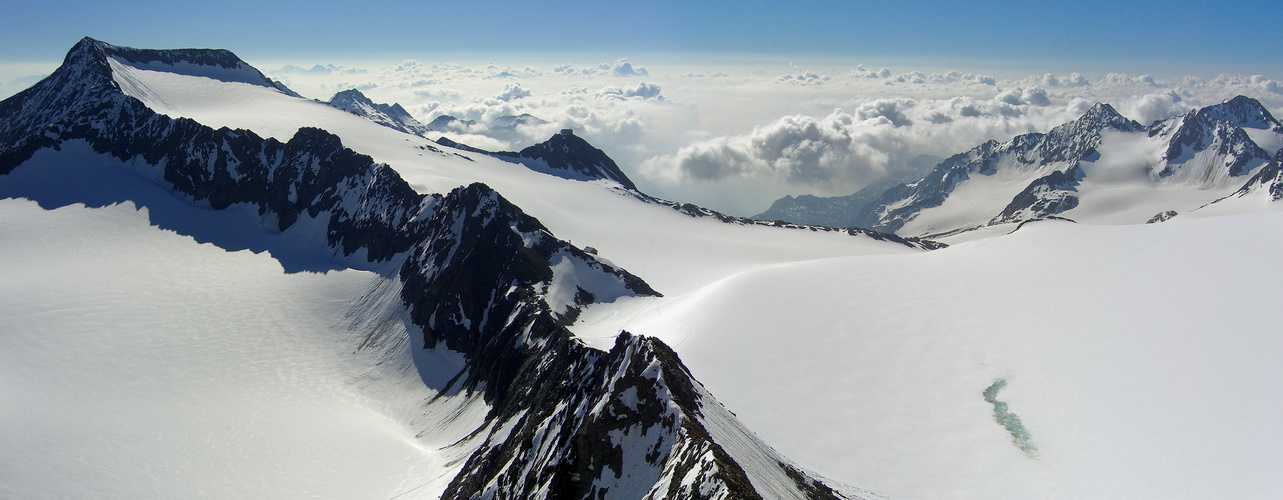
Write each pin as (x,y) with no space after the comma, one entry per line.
(843,211)
(566,421)
(392,116)
(1068,143)
(567,152)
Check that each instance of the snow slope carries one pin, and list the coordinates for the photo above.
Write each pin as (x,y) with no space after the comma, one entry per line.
(1141,359)
(482,278)
(1100,169)
(1121,347)
(139,363)
(650,240)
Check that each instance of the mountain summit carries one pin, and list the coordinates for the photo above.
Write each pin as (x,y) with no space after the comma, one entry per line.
(489,290)
(564,155)
(567,154)
(1078,170)
(392,116)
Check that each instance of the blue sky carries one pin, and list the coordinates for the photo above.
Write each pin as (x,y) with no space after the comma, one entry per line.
(723,76)
(1236,35)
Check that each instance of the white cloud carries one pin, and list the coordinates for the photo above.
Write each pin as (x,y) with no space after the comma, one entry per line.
(512,92)
(643,90)
(621,67)
(1149,108)
(948,78)
(688,133)
(624,68)
(701,74)
(803,78)
(1016,96)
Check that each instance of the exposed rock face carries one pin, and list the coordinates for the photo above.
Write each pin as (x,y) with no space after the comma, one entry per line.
(1068,144)
(1204,148)
(479,277)
(366,205)
(1245,112)
(1047,196)
(1269,179)
(843,211)
(563,155)
(1206,130)
(392,116)
(567,152)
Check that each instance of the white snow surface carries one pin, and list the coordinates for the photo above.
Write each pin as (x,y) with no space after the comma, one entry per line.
(243,73)
(650,240)
(1121,185)
(139,363)
(1268,140)
(1140,358)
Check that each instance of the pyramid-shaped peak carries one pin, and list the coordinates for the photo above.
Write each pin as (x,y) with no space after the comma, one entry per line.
(89,44)
(1243,111)
(1102,116)
(389,115)
(569,152)
(350,96)
(1099,118)
(87,52)
(1101,111)
(95,57)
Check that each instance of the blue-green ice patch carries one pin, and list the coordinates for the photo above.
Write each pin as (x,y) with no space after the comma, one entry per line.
(1019,436)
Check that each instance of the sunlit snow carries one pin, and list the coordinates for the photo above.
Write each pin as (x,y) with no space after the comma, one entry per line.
(1140,358)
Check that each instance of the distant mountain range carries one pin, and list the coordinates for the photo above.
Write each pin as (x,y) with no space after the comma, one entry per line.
(564,154)
(478,277)
(1091,169)
(392,116)
(840,211)
(514,351)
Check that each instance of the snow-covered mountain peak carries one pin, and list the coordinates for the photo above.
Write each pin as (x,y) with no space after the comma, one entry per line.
(350,97)
(1220,130)
(1076,139)
(512,122)
(217,64)
(1245,112)
(389,115)
(447,122)
(568,153)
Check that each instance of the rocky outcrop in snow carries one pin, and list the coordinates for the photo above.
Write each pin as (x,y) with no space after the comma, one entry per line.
(566,154)
(1203,146)
(479,277)
(1210,148)
(842,211)
(392,116)
(1269,180)
(563,155)
(1063,146)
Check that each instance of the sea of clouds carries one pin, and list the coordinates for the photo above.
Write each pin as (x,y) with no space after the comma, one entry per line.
(737,136)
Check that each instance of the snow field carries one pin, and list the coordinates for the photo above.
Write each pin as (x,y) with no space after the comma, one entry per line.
(673,252)
(1140,359)
(142,364)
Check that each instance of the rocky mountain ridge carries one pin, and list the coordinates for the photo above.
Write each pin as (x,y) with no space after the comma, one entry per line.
(1213,148)
(392,116)
(478,277)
